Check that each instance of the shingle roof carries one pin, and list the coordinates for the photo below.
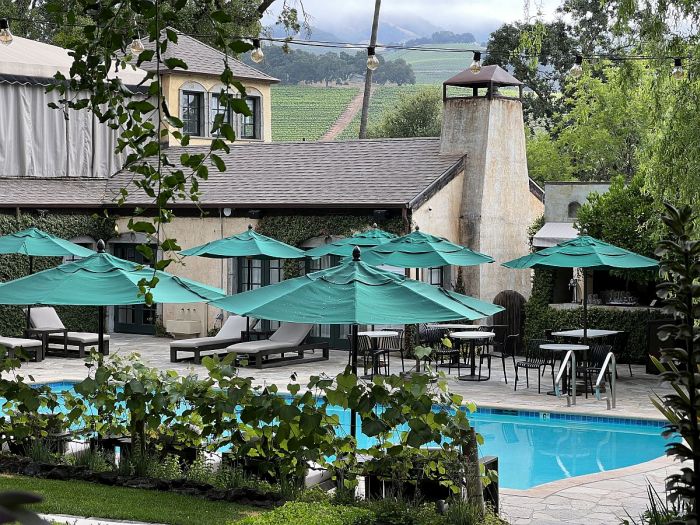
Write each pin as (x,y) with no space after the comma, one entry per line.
(359,173)
(55,192)
(389,172)
(495,74)
(201,58)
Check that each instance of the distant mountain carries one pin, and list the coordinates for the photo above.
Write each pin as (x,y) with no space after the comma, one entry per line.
(392,28)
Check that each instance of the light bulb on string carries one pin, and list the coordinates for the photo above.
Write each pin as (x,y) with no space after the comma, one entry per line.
(136,46)
(475,66)
(257,55)
(372,60)
(577,69)
(677,72)
(5,33)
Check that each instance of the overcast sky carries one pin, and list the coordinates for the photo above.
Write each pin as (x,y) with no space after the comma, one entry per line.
(454,15)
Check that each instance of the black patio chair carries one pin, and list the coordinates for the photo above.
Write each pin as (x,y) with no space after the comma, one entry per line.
(389,345)
(504,351)
(535,359)
(619,348)
(370,358)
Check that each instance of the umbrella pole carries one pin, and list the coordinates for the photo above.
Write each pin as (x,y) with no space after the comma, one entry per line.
(353,365)
(585,307)
(100,329)
(29,307)
(250,287)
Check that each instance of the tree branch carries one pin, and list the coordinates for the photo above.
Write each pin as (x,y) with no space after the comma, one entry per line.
(264,6)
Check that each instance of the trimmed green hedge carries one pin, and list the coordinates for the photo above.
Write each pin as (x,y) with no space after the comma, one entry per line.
(310,514)
(67,226)
(539,316)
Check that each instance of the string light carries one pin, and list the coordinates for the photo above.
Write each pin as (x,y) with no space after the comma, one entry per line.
(5,34)
(577,69)
(372,60)
(136,46)
(677,72)
(475,66)
(257,55)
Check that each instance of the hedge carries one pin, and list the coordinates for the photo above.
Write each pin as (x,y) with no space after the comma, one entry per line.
(67,226)
(539,316)
(309,514)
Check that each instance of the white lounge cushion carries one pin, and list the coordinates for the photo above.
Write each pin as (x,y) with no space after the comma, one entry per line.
(16,342)
(316,475)
(253,347)
(291,333)
(78,337)
(234,326)
(196,342)
(45,317)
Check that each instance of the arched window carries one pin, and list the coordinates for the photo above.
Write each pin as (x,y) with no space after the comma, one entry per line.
(251,125)
(192,111)
(573,209)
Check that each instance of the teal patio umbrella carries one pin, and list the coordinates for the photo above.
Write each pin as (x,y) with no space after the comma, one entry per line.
(355,293)
(422,250)
(587,253)
(248,244)
(33,242)
(100,280)
(344,247)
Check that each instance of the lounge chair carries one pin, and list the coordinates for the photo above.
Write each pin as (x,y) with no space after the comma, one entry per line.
(45,317)
(288,338)
(231,332)
(28,345)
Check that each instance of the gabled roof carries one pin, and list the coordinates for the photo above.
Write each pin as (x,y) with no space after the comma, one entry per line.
(386,173)
(488,75)
(201,58)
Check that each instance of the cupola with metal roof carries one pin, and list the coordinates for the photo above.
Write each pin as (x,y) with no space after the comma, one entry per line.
(490,78)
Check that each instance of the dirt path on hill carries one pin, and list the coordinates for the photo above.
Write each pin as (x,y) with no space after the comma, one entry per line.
(345,118)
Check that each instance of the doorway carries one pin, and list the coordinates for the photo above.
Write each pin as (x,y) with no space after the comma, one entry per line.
(134,318)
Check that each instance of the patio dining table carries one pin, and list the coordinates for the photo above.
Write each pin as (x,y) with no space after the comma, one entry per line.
(454,326)
(591,333)
(375,336)
(558,348)
(472,337)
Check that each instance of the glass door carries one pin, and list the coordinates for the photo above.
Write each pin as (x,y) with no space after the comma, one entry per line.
(135,318)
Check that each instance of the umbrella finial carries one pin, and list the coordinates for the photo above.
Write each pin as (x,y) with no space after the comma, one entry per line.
(584,231)
(375,226)
(100,246)
(250,227)
(417,227)
(356,253)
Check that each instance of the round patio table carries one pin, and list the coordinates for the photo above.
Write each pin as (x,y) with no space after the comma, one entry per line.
(375,336)
(472,337)
(591,333)
(561,348)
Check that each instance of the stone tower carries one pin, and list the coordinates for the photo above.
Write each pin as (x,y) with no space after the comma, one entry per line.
(497,208)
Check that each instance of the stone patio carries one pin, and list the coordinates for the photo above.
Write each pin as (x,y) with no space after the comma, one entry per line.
(602,498)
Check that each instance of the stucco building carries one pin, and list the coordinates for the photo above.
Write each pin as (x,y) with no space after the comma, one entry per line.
(470,185)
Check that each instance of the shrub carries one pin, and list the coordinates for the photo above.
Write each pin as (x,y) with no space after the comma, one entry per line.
(310,514)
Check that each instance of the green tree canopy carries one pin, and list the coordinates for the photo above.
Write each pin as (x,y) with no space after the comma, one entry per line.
(416,115)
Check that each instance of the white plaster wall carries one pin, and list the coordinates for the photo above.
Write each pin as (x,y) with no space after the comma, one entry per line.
(190,232)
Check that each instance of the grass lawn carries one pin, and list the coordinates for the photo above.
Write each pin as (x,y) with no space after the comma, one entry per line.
(79,498)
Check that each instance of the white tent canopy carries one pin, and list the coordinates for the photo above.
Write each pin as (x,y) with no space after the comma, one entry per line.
(552,233)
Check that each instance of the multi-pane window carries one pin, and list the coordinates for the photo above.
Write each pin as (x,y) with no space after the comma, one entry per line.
(217,107)
(433,275)
(262,273)
(192,105)
(250,124)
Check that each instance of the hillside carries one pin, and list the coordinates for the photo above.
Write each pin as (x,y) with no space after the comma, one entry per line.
(435,67)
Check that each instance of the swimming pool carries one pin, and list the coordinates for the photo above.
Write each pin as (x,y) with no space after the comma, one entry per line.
(538,447)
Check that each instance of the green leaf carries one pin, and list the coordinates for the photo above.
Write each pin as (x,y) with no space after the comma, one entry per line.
(218,162)
(174,63)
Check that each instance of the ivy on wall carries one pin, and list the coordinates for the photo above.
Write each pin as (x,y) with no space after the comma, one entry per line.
(66,226)
(295,229)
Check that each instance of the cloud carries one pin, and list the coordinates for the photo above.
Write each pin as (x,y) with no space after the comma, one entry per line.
(478,16)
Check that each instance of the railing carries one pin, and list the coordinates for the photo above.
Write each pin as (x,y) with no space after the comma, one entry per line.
(570,398)
(609,365)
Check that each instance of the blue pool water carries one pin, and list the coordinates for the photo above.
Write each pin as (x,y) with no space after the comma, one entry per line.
(537,447)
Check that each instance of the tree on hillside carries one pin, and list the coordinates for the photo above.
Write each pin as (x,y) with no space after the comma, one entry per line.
(415,115)
(396,72)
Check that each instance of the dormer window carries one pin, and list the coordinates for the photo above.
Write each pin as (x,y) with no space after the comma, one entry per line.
(192,113)
(250,125)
